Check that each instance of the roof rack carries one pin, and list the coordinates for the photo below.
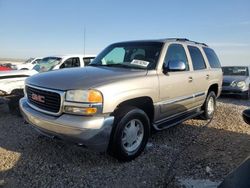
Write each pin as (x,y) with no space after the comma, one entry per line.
(187,40)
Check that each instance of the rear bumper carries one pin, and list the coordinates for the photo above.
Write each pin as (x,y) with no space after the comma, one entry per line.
(92,132)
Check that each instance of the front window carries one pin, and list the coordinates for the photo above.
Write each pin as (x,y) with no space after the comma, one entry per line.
(137,55)
(235,71)
(47,64)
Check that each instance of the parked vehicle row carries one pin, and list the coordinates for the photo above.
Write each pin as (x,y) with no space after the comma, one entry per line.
(12,82)
(28,64)
(129,89)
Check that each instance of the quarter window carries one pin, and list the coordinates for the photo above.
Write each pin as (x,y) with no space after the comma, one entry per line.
(197,58)
(176,52)
(212,58)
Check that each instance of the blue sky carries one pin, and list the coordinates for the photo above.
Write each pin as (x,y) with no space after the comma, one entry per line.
(39,28)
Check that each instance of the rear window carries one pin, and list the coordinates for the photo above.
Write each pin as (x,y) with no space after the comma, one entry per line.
(197,58)
(212,58)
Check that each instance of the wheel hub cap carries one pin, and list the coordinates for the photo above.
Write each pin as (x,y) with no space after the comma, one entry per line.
(132,135)
(210,107)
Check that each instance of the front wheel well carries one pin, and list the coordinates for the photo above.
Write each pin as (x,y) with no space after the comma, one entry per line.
(143,103)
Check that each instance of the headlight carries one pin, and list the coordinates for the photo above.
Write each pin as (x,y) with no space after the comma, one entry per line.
(234,84)
(89,96)
(74,98)
(241,84)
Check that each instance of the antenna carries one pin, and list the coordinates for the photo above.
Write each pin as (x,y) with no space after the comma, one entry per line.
(84,40)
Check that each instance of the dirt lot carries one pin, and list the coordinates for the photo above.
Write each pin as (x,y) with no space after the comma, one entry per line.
(194,153)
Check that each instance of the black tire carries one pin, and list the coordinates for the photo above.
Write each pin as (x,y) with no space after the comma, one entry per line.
(206,115)
(122,117)
(13,103)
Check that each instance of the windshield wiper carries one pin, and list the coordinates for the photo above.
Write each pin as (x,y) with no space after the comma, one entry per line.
(117,65)
(95,65)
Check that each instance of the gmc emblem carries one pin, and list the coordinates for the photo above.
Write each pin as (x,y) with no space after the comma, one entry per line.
(38,98)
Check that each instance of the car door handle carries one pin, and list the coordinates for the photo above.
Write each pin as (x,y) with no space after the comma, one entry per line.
(207,76)
(190,79)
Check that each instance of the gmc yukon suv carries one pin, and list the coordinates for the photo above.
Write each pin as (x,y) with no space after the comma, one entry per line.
(130,89)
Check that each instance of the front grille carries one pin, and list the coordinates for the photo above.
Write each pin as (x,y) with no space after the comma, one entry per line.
(226,84)
(49,101)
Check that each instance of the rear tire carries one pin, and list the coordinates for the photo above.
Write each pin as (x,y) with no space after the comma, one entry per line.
(130,133)
(209,106)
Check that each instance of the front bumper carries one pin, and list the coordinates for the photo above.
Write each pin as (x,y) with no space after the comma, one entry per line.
(92,132)
(228,90)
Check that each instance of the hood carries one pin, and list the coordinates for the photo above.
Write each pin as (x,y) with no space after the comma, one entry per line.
(17,73)
(82,78)
(230,79)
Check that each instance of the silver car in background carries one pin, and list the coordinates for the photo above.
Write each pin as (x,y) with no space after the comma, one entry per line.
(236,81)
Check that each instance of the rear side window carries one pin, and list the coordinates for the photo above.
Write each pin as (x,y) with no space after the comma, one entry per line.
(212,58)
(176,52)
(87,60)
(197,58)
(71,62)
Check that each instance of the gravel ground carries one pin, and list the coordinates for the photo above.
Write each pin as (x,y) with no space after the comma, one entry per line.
(194,150)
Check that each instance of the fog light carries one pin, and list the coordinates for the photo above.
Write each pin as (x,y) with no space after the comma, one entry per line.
(80,110)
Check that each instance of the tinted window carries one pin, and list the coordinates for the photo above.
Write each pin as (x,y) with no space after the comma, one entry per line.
(235,71)
(76,62)
(212,58)
(71,62)
(197,58)
(176,52)
(87,60)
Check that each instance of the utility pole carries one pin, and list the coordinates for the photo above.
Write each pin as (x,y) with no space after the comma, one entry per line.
(84,40)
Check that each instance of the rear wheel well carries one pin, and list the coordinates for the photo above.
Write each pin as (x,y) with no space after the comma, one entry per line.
(143,103)
(214,88)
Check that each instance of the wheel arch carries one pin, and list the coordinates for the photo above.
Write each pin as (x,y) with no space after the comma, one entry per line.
(144,103)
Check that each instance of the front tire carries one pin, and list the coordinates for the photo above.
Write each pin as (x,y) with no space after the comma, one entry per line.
(209,106)
(130,134)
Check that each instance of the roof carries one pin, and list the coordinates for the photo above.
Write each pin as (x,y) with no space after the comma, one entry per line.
(70,55)
(171,40)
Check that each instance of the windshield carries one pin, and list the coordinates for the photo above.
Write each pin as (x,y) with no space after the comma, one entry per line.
(235,71)
(47,64)
(29,60)
(138,55)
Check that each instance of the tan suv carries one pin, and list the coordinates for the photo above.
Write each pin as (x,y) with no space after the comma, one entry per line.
(128,90)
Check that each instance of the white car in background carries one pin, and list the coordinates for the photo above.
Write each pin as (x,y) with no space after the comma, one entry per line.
(28,64)
(14,80)
(63,61)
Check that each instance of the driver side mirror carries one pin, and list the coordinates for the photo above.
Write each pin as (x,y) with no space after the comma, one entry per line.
(246,116)
(174,66)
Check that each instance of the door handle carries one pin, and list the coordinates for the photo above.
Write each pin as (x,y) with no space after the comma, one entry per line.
(190,79)
(207,76)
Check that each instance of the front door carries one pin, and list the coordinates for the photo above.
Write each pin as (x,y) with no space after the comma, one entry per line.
(176,88)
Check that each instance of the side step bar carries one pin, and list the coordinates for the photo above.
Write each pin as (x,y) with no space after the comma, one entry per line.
(176,120)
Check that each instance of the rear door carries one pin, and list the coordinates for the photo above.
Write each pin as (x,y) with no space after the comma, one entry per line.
(201,75)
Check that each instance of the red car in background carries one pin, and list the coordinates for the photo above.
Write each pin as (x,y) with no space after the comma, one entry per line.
(4,68)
